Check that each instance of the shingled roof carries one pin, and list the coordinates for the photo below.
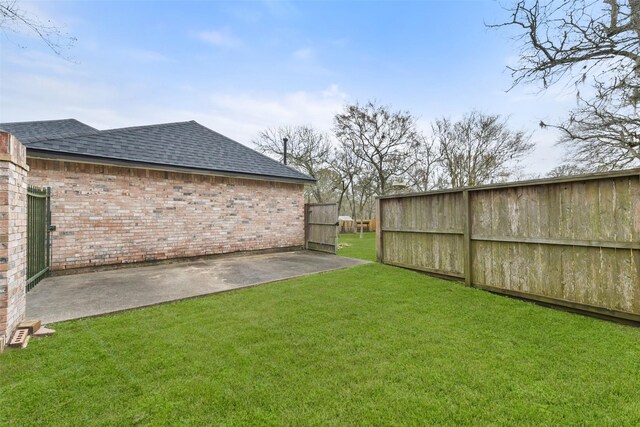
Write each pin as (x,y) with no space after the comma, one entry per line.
(47,129)
(184,144)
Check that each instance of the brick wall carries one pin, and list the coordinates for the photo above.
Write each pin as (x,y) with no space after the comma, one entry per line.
(13,233)
(111,215)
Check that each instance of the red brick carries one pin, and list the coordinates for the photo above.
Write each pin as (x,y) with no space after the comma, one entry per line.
(113,215)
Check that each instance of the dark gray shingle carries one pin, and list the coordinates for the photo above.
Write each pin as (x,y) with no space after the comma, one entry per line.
(36,131)
(183,144)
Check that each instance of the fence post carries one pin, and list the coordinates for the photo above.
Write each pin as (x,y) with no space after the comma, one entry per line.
(379,240)
(467,237)
(306,225)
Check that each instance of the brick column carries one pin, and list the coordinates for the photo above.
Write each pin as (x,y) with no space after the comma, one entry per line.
(13,233)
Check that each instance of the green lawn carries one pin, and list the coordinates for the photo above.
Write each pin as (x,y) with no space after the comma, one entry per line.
(352,246)
(370,345)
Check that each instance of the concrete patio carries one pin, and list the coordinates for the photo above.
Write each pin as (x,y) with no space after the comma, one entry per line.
(75,296)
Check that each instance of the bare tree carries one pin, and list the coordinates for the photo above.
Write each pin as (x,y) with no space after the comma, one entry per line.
(601,134)
(425,158)
(348,167)
(382,138)
(328,186)
(593,45)
(566,170)
(15,19)
(478,149)
(308,150)
(363,193)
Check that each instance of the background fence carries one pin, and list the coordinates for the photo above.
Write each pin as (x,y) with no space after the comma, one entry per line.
(571,241)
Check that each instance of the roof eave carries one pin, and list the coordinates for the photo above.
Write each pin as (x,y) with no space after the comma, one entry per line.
(97,160)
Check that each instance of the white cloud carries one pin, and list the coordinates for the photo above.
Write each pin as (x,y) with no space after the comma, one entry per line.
(237,114)
(304,53)
(44,97)
(242,115)
(34,60)
(220,38)
(142,55)
(281,9)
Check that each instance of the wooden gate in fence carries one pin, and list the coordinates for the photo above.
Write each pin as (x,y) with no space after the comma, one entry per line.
(571,241)
(321,227)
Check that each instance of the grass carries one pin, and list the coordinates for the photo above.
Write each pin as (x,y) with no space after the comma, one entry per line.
(370,345)
(352,246)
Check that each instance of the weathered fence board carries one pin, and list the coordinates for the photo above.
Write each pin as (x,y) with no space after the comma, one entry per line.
(572,241)
(321,227)
(425,233)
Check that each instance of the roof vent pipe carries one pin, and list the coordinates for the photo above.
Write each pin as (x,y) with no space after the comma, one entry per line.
(285,140)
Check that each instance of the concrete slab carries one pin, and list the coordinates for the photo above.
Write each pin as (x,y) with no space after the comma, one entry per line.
(90,294)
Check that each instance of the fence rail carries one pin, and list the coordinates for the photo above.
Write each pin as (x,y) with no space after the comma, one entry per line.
(570,241)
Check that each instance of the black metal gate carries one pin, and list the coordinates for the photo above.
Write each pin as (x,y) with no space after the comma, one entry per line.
(38,239)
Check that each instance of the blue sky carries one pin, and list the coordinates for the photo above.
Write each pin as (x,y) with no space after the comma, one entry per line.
(241,66)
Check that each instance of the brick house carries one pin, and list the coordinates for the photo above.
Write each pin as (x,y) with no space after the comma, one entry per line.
(157,192)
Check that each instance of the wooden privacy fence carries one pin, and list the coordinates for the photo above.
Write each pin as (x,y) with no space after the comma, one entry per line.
(571,241)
